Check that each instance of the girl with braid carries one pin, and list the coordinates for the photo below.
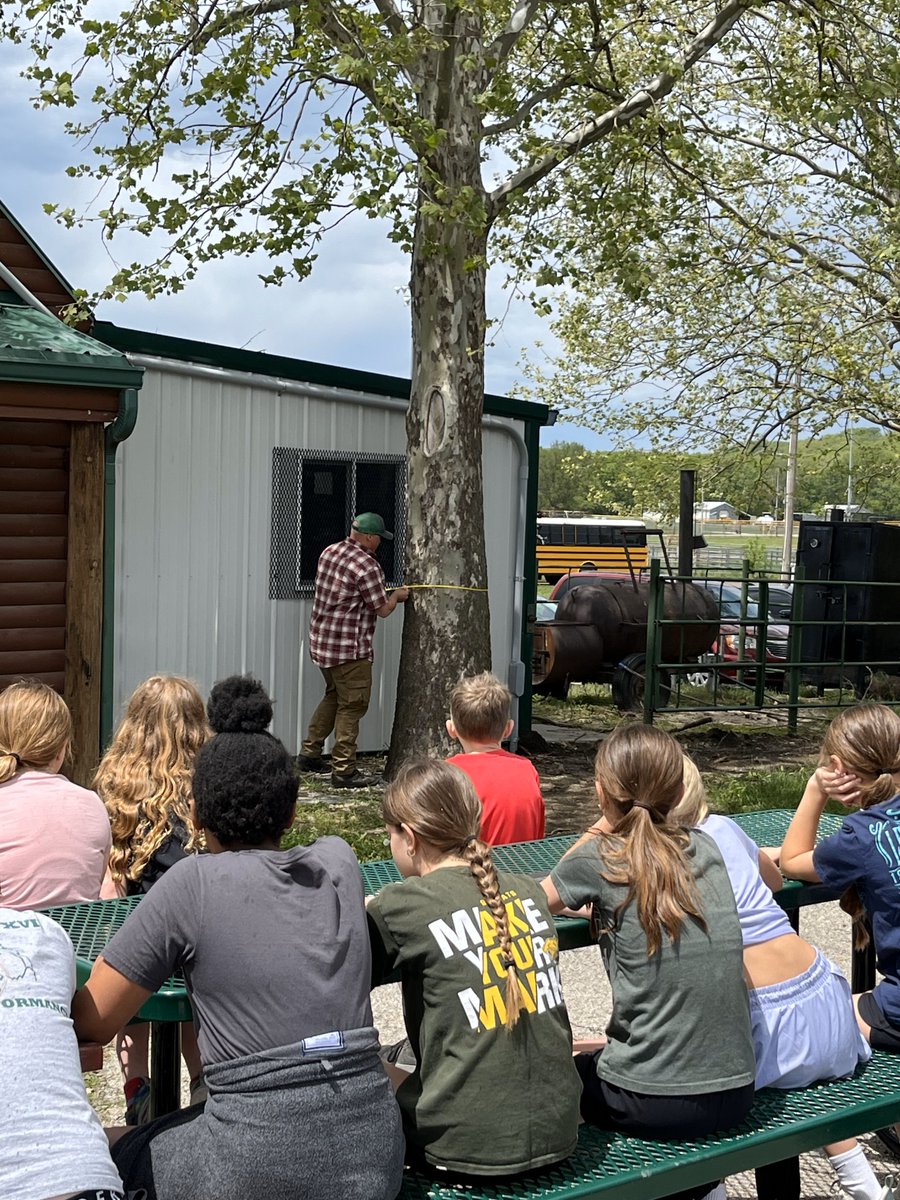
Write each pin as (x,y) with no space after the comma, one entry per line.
(679,1061)
(484,1011)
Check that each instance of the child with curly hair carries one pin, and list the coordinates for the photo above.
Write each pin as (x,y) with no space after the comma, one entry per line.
(275,954)
(144,779)
(482,998)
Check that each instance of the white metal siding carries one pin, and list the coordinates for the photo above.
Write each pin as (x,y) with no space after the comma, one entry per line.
(193,535)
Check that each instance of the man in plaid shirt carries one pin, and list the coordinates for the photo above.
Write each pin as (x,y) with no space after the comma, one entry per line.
(349,597)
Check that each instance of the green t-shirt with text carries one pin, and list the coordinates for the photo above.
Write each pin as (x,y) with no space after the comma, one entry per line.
(481,1100)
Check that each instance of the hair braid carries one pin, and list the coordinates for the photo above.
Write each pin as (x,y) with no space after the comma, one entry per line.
(481,865)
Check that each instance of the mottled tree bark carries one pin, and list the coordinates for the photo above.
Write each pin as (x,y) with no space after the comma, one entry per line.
(446,630)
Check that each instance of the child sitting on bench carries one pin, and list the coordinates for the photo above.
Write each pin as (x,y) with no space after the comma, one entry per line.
(494,1090)
(275,952)
(679,1058)
(801,1011)
(512,807)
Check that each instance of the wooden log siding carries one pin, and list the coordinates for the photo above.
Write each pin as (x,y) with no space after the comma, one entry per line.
(29,268)
(34,503)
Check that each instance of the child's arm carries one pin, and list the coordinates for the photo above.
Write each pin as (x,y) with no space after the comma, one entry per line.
(771,875)
(800,839)
(106,1003)
(554,901)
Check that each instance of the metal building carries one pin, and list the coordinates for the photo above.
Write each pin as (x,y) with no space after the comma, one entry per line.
(213,539)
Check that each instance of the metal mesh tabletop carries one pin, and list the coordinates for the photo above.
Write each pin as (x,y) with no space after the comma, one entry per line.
(539,858)
(632,1168)
(91,925)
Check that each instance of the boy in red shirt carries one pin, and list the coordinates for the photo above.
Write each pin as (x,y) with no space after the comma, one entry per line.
(508,785)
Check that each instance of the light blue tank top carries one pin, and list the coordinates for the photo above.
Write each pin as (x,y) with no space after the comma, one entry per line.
(760,917)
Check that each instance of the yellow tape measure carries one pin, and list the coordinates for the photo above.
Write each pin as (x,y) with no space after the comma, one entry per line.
(453,587)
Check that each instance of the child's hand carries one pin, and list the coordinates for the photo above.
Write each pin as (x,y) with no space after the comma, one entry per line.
(839,785)
(773,852)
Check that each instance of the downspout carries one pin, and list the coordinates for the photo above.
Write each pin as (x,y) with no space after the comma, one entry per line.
(121,428)
(518,680)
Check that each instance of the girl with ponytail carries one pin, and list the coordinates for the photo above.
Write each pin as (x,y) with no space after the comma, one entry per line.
(679,1057)
(482,999)
(859,765)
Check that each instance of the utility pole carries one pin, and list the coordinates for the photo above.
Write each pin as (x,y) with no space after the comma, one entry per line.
(790,487)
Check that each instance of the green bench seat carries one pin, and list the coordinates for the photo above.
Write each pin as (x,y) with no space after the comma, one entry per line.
(780,1125)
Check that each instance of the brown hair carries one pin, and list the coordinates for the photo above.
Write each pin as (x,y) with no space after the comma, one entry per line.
(479,707)
(693,807)
(35,726)
(640,771)
(866,738)
(438,802)
(144,778)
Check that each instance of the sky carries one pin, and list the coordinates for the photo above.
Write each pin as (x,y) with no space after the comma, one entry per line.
(350,312)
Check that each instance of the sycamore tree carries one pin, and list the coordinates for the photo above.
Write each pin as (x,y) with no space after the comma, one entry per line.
(760,279)
(230,129)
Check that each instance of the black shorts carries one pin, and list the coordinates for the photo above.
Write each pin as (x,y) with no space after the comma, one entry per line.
(884,1036)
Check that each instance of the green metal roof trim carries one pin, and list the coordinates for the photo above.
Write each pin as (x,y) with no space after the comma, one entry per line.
(254,362)
(23,233)
(35,348)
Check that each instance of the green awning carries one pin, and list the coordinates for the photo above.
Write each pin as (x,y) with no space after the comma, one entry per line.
(36,348)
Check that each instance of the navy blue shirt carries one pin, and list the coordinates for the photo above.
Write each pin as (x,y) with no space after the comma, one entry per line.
(866,853)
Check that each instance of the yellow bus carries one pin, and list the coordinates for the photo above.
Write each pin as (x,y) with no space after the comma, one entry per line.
(567,543)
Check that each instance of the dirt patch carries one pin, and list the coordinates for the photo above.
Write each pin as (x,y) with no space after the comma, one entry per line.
(567,768)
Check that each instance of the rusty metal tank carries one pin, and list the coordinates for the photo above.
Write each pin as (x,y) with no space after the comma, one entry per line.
(600,625)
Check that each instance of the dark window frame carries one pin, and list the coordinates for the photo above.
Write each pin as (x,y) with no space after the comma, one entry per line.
(296,541)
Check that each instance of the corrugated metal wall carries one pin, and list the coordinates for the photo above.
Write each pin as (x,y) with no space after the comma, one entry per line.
(193,537)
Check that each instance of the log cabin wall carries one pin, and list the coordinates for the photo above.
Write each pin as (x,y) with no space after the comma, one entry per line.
(51,584)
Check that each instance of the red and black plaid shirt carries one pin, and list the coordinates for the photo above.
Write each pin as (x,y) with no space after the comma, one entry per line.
(349,591)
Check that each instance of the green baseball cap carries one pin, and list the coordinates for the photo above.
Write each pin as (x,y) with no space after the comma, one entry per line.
(372,523)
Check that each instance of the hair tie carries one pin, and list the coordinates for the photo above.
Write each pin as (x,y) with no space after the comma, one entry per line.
(12,754)
(654,815)
(885,770)
(509,963)
(467,842)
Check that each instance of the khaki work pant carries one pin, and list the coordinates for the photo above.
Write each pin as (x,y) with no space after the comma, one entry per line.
(348,688)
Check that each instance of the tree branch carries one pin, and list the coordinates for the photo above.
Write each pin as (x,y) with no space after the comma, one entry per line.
(626,112)
(515,119)
(503,45)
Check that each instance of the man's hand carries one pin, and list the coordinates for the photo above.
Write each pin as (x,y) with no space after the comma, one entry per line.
(401,594)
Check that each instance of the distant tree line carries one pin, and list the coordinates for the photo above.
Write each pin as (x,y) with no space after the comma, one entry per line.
(632,482)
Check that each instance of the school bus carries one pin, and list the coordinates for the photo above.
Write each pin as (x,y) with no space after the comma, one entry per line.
(567,543)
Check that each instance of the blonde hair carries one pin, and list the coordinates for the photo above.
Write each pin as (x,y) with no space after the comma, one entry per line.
(144,778)
(640,771)
(479,707)
(866,738)
(693,807)
(35,727)
(438,802)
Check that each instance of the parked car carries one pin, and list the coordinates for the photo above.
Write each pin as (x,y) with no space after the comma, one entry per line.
(727,650)
(780,599)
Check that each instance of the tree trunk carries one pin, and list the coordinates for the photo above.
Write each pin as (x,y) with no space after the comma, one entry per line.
(446,632)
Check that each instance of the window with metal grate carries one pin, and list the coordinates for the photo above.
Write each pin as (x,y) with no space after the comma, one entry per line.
(315,495)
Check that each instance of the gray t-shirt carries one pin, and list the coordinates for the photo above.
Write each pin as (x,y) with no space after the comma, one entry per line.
(681,1020)
(273,944)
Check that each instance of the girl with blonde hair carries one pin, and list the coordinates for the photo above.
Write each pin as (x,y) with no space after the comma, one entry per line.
(144,779)
(859,765)
(482,1000)
(678,1062)
(801,1011)
(54,835)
